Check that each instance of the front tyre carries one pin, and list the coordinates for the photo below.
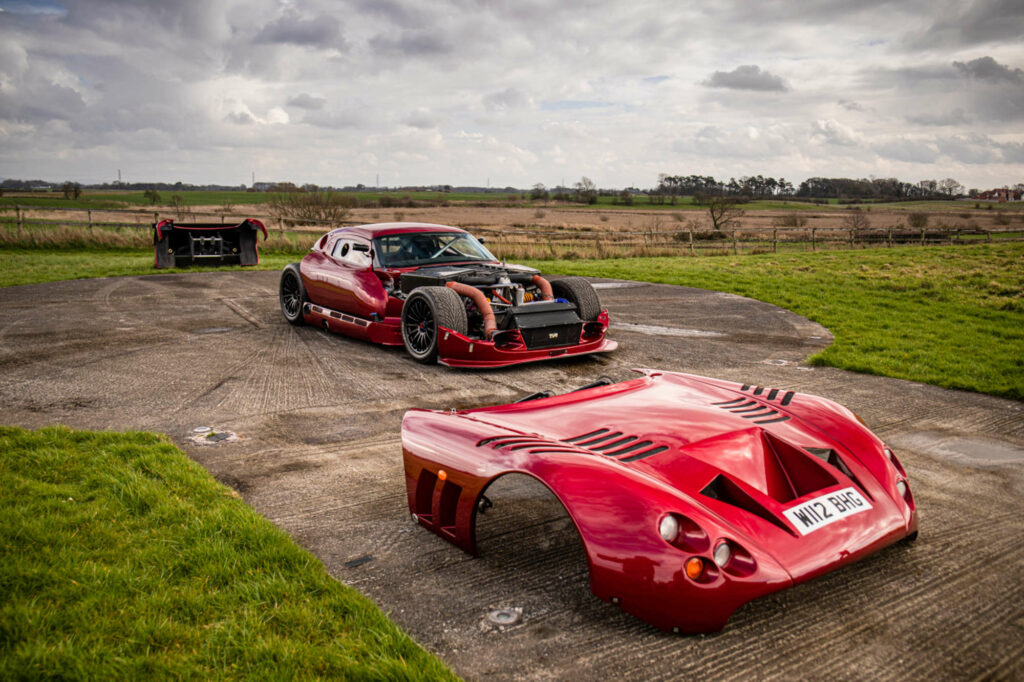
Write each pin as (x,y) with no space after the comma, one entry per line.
(292,294)
(580,293)
(425,311)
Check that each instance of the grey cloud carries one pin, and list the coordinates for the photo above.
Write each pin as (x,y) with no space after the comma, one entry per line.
(833,132)
(971,148)
(984,21)
(423,120)
(410,44)
(850,106)
(240,118)
(908,151)
(748,77)
(334,119)
(510,98)
(41,101)
(949,118)
(306,101)
(395,12)
(988,69)
(320,31)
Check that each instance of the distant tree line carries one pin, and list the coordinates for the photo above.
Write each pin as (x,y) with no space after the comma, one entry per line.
(761,187)
(26,185)
(888,189)
(753,186)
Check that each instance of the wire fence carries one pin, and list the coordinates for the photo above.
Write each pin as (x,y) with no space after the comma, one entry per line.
(29,224)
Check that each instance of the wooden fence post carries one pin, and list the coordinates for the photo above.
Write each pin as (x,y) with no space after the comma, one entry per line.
(90,222)
(775,240)
(18,211)
(813,242)
(692,252)
(735,248)
(156,217)
(852,237)
(888,239)
(922,236)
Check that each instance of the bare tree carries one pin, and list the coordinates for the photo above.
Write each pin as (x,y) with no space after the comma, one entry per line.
(856,220)
(722,208)
(586,190)
(152,196)
(951,187)
(296,208)
(72,190)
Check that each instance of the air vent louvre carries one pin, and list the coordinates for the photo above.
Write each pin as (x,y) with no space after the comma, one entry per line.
(756,410)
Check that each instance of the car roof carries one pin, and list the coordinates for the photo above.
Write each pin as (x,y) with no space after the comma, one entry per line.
(380,229)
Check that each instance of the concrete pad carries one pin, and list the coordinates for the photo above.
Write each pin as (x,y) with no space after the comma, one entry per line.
(317,418)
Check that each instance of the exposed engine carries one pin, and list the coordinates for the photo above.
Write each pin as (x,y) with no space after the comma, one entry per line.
(511,297)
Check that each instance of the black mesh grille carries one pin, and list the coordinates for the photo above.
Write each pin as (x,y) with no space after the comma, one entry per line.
(550,337)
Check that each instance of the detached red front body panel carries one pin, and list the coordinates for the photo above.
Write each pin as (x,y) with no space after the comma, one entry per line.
(763,488)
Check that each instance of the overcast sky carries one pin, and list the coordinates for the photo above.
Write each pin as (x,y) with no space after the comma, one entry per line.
(510,92)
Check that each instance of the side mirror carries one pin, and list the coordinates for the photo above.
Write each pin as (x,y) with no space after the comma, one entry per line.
(482,240)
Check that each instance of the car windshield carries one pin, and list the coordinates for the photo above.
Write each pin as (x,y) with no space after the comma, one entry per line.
(426,248)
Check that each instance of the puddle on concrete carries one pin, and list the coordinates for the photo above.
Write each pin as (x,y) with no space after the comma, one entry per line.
(966,450)
(619,285)
(656,330)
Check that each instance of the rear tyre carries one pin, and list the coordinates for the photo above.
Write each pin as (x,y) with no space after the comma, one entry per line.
(425,311)
(580,293)
(292,294)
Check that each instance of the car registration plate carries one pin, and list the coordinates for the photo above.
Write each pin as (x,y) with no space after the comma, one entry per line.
(820,511)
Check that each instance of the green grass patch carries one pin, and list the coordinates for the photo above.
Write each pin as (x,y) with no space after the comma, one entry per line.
(949,316)
(123,559)
(34,266)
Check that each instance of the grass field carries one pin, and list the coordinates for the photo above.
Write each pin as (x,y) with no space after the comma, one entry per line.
(123,559)
(31,266)
(97,199)
(949,316)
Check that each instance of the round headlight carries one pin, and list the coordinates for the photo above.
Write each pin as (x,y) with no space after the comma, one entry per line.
(722,554)
(668,528)
(901,487)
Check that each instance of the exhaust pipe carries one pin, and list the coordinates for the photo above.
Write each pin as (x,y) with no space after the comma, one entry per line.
(545,288)
(482,304)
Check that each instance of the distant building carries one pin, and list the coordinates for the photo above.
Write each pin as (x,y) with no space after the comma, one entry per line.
(1000,194)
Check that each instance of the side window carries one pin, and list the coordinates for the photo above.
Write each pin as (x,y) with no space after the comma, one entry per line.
(357,255)
(341,249)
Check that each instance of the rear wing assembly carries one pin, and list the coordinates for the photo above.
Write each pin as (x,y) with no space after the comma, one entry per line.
(178,244)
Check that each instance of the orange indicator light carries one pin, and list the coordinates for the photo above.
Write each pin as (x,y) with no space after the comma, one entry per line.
(694,567)
(442,474)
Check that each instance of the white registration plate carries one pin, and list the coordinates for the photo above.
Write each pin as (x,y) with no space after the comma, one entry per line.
(820,511)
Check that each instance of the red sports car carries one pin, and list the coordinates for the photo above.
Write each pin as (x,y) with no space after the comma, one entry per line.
(438,291)
(692,495)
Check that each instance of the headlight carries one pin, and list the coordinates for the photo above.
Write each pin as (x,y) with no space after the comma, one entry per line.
(668,528)
(722,554)
(901,487)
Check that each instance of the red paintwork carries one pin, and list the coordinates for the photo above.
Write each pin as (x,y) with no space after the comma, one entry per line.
(358,305)
(617,504)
